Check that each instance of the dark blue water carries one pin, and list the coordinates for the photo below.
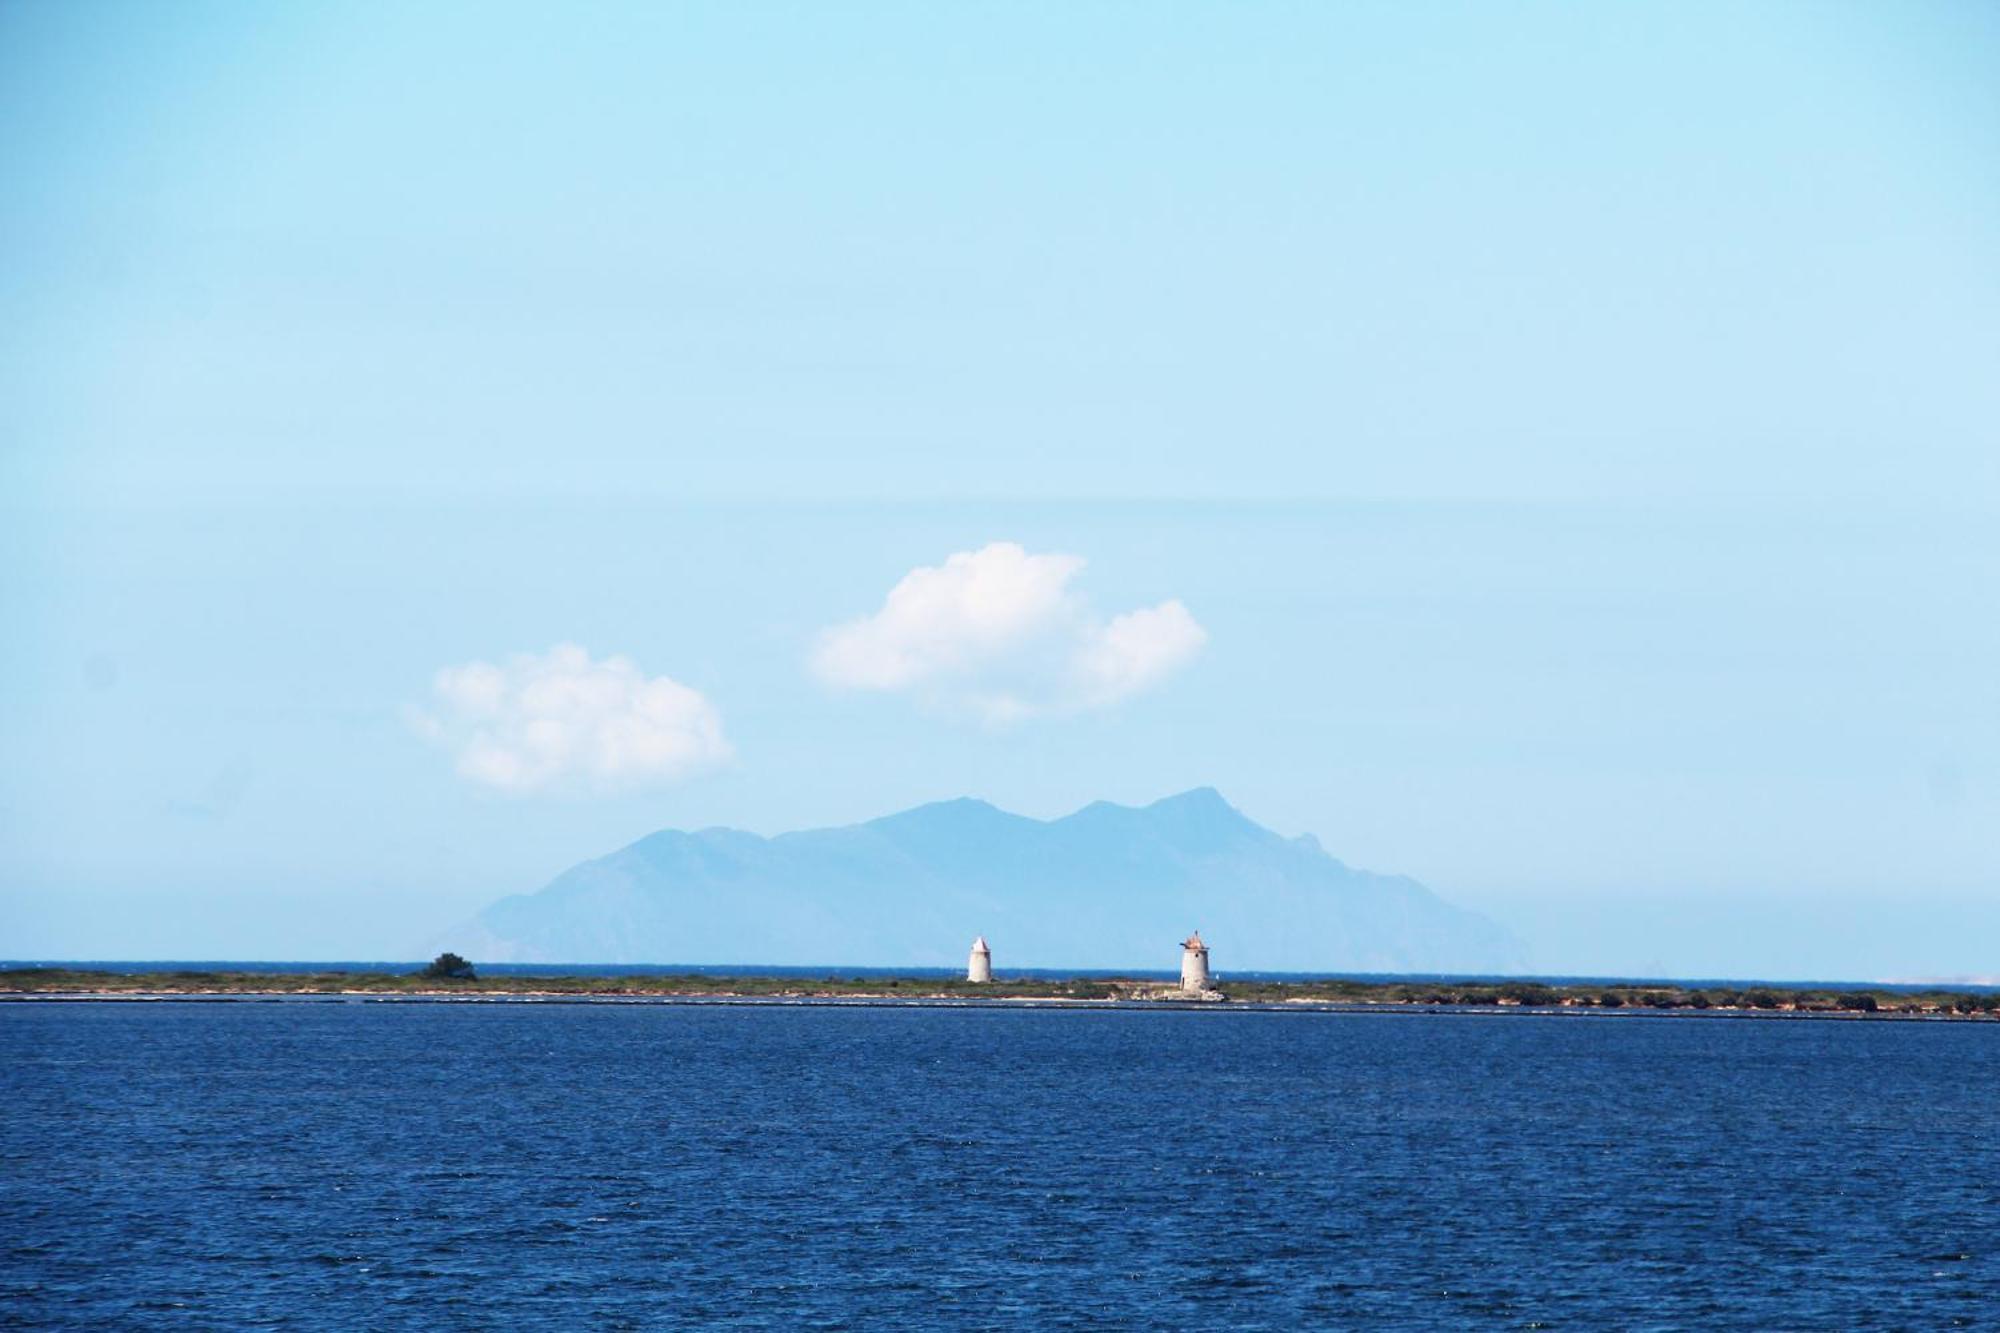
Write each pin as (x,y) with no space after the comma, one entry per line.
(369,1165)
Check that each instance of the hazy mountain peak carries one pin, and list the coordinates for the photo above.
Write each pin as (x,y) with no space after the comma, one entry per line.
(1194,798)
(1100,888)
(1199,820)
(961,812)
(958,806)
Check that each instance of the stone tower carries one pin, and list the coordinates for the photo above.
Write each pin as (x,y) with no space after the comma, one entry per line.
(980,968)
(1194,963)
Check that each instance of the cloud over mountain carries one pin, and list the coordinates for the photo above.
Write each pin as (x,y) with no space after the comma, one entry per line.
(999,632)
(564,720)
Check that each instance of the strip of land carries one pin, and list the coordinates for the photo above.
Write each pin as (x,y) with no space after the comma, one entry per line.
(55,981)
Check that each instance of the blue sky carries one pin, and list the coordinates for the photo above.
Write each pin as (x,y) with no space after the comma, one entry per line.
(1571,430)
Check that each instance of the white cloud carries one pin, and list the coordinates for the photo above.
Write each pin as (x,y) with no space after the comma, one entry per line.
(1138,648)
(1001,633)
(561,719)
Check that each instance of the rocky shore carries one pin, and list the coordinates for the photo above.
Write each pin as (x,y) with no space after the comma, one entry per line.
(1652,997)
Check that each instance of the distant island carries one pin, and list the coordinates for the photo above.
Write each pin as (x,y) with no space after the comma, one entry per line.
(1489,996)
(1109,885)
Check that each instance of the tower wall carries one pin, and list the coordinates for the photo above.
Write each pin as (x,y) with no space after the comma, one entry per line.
(980,966)
(1194,969)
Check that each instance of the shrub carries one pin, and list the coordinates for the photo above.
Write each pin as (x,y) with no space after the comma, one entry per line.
(1859,1002)
(449,967)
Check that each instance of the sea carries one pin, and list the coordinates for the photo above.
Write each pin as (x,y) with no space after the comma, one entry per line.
(843,972)
(368,1164)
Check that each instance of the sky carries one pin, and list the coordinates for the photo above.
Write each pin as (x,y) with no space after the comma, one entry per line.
(1552,451)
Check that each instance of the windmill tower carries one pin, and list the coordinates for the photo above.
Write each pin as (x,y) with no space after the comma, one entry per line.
(1194,963)
(980,966)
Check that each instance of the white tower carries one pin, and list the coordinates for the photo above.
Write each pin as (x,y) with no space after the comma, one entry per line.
(980,968)
(1194,963)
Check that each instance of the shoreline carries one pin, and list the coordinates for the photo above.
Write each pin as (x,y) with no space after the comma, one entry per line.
(1324,1008)
(61,985)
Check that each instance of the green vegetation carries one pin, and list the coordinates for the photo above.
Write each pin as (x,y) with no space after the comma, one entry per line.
(449,967)
(452,975)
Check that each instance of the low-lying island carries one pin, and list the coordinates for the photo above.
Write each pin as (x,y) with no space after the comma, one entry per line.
(1642,997)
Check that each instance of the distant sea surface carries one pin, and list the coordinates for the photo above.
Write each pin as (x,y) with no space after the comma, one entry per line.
(355,1165)
(835,970)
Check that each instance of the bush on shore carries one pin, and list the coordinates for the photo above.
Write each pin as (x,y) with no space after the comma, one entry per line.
(449,967)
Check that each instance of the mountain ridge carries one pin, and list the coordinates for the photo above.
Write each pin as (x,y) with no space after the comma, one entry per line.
(1105,886)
